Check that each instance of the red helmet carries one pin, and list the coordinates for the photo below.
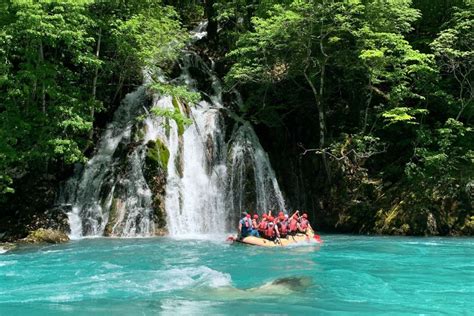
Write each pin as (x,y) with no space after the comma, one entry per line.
(305,215)
(271,218)
(248,215)
(281,214)
(255,216)
(264,215)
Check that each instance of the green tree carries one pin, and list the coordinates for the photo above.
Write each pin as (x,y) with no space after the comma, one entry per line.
(454,51)
(62,62)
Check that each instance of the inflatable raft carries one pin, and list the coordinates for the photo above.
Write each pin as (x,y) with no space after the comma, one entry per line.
(310,236)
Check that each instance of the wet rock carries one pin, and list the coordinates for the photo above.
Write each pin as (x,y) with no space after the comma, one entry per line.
(161,231)
(5,247)
(468,226)
(157,154)
(156,163)
(117,205)
(42,235)
(431,225)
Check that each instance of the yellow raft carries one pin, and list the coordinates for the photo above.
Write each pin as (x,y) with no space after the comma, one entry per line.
(310,236)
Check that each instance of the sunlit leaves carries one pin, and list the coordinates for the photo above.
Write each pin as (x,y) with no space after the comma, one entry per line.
(151,38)
(179,92)
(402,114)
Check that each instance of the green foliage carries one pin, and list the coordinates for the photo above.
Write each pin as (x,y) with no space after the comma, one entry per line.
(182,121)
(383,89)
(454,53)
(62,62)
(138,36)
(44,107)
(379,86)
(182,98)
(178,92)
(402,114)
(444,152)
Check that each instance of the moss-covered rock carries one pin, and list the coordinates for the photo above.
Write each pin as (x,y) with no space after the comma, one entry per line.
(156,162)
(157,154)
(181,107)
(50,236)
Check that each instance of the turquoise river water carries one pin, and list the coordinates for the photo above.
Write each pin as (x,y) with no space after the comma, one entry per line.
(345,275)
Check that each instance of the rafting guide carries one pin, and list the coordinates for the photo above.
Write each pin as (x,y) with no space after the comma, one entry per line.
(270,231)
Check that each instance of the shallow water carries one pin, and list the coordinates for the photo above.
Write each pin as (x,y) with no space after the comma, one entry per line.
(347,274)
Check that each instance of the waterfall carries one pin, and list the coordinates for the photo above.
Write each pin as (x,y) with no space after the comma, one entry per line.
(253,183)
(112,184)
(208,180)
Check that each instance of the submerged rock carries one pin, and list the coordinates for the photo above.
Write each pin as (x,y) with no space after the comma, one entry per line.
(50,236)
(5,247)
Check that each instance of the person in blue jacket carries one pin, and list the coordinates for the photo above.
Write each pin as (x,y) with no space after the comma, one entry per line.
(245,226)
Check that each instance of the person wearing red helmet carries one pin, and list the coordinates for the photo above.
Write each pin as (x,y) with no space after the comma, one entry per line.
(246,227)
(255,222)
(293,223)
(303,224)
(282,224)
(262,226)
(272,230)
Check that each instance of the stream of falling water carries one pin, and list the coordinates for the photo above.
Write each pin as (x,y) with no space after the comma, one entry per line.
(211,177)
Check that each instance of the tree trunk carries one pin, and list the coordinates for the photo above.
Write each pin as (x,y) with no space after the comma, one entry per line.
(321,115)
(43,87)
(96,74)
(119,87)
(211,20)
(322,119)
(94,84)
(367,106)
(250,11)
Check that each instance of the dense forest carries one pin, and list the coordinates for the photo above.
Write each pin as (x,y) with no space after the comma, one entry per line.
(365,107)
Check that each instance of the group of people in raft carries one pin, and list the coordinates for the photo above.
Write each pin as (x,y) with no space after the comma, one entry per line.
(270,227)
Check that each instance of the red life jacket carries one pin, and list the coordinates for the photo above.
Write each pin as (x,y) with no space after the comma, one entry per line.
(304,223)
(270,231)
(283,228)
(263,225)
(293,224)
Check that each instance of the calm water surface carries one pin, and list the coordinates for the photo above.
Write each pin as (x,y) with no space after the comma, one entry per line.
(347,274)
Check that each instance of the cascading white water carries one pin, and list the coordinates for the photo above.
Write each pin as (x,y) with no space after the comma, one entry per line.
(111,184)
(201,195)
(210,177)
(195,200)
(250,166)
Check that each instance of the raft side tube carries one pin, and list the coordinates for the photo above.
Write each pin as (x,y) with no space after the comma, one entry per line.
(279,242)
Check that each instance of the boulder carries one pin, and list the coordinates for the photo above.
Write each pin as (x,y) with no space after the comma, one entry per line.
(50,236)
